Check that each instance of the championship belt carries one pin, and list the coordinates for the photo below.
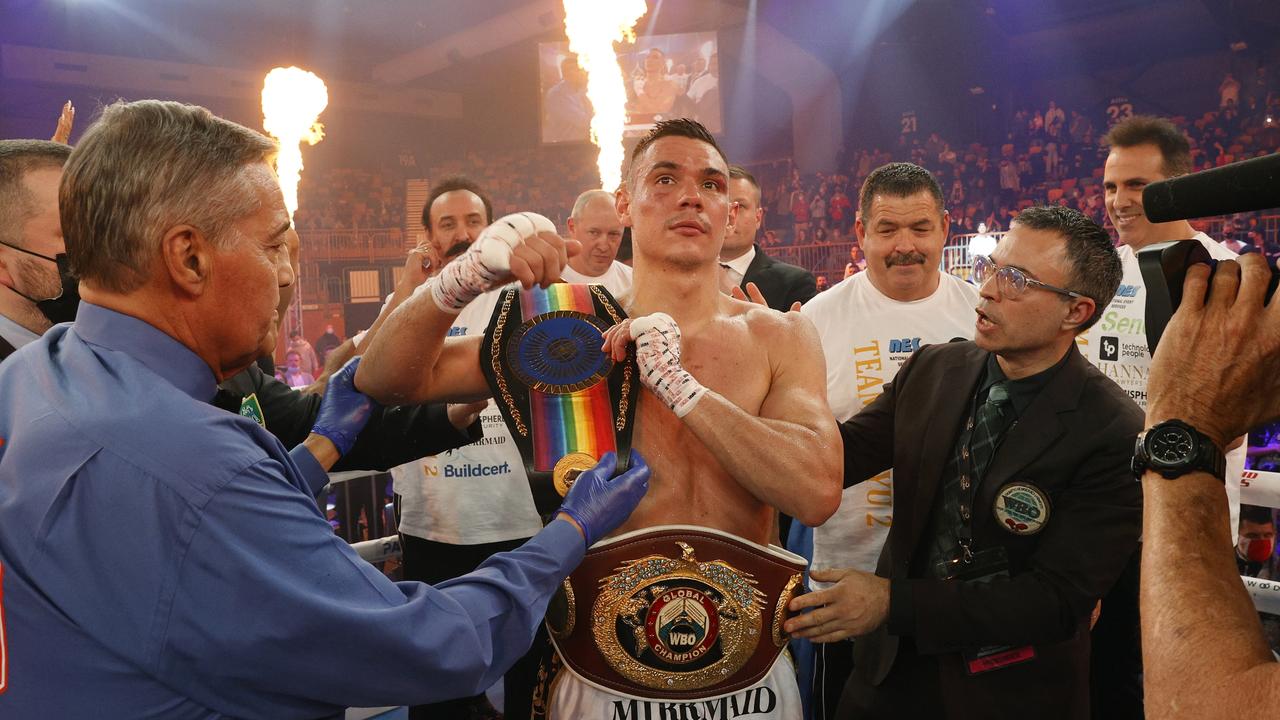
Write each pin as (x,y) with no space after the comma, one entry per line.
(675,612)
(566,401)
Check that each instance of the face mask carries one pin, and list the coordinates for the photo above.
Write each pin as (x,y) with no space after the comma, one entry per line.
(62,308)
(1259,550)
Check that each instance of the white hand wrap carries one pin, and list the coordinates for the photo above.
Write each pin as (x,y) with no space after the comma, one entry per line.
(487,263)
(658,353)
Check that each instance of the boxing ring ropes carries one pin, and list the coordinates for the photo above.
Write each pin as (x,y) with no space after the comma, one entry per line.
(371,551)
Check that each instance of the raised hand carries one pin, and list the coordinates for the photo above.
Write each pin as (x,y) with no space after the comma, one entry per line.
(522,247)
(657,339)
(753,295)
(62,134)
(1218,364)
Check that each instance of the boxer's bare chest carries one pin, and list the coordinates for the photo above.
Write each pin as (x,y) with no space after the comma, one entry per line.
(688,484)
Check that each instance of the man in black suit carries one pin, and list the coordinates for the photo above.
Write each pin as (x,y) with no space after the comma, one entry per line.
(1015,505)
(30,241)
(742,261)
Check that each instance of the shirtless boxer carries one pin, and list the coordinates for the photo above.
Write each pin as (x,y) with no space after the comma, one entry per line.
(736,423)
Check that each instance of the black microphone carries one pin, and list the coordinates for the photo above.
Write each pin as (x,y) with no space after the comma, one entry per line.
(1242,186)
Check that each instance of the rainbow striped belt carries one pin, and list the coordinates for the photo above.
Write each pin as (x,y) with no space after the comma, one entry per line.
(566,401)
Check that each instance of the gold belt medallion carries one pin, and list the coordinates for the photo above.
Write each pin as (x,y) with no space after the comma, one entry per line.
(677,624)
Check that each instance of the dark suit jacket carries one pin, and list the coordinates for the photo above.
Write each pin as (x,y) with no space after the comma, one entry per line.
(1073,442)
(393,435)
(5,349)
(780,283)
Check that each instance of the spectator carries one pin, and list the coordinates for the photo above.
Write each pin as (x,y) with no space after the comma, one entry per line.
(1036,126)
(326,343)
(799,212)
(1256,549)
(818,210)
(1229,91)
(292,373)
(1054,119)
(1080,129)
(308,362)
(840,209)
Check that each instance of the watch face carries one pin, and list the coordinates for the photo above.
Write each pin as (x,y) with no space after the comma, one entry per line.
(1171,446)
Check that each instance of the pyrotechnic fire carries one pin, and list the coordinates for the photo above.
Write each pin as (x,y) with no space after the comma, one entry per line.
(292,100)
(593,27)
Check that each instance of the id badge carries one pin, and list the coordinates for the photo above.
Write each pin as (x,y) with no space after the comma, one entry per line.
(988,565)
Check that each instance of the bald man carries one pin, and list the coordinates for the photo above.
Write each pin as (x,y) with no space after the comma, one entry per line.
(596,224)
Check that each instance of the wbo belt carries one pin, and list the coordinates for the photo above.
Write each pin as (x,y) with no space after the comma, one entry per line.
(675,612)
(565,401)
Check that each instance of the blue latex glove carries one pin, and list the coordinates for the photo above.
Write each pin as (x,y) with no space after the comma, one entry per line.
(600,502)
(344,410)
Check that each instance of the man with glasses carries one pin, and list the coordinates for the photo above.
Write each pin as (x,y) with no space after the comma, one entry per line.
(869,324)
(1015,508)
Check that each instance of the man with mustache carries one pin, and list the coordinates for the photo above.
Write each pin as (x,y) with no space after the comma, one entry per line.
(869,324)
(1144,149)
(735,419)
(455,213)
(1015,505)
(451,521)
(595,223)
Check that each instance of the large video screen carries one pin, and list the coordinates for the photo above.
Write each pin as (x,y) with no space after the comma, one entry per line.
(666,76)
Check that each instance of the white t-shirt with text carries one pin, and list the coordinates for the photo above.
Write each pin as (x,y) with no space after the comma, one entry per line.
(475,494)
(1117,345)
(866,336)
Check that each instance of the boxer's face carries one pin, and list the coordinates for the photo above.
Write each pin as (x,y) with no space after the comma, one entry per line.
(677,202)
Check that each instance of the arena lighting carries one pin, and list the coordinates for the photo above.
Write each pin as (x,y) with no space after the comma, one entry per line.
(742,106)
(292,100)
(592,28)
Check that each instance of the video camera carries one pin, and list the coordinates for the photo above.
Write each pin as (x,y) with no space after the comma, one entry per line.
(1243,186)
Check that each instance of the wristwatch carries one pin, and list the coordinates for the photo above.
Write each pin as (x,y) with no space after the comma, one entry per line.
(1174,448)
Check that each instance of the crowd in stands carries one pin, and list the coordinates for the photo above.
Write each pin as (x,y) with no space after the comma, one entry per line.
(1050,154)
(546,179)
(349,199)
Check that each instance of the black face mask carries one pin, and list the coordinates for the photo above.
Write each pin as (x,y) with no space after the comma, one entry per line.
(62,308)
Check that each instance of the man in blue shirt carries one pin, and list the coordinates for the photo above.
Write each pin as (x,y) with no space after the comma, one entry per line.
(160,557)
